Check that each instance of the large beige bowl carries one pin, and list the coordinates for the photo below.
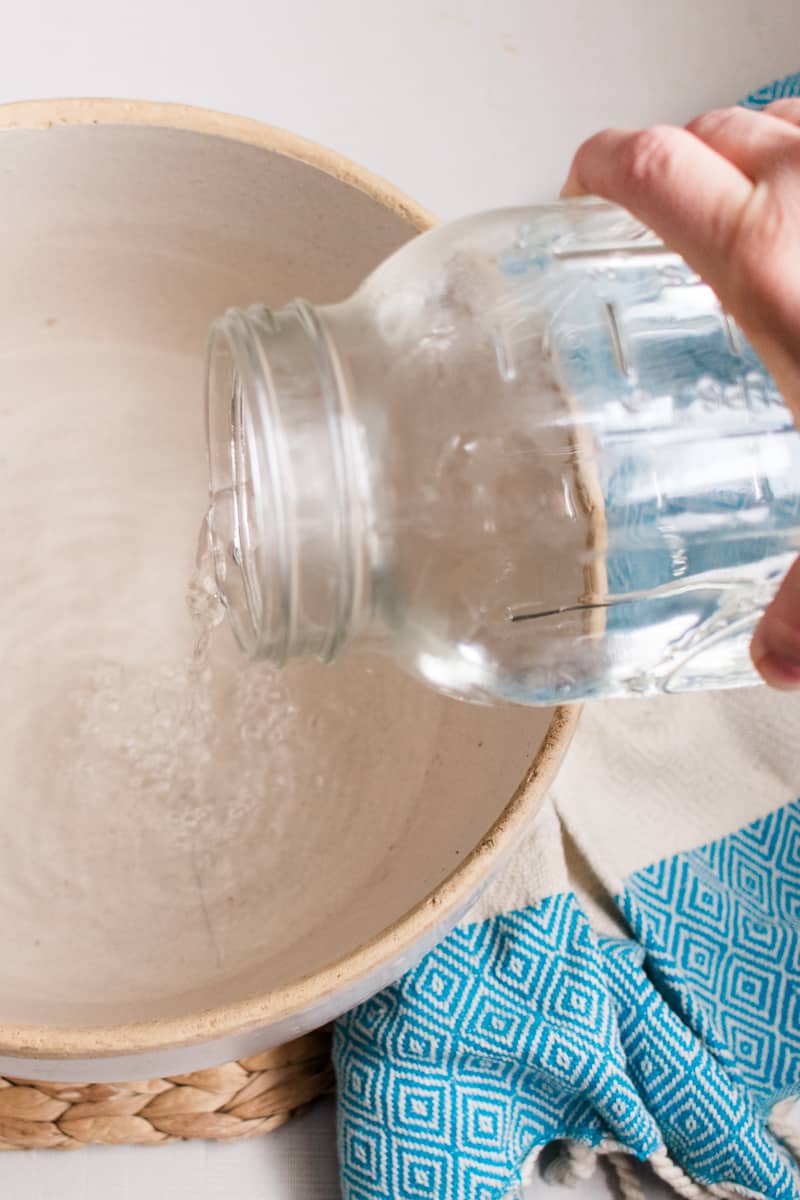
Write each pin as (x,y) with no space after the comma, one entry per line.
(148,932)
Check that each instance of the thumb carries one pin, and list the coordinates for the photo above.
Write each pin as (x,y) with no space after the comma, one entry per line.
(775,649)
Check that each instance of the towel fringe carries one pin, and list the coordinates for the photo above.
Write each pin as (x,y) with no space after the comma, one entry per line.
(626,1171)
(669,1172)
(574,1163)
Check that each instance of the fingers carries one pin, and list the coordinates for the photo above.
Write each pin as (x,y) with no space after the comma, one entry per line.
(775,649)
(723,194)
(787,109)
(674,183)
(662,174)
(753,141)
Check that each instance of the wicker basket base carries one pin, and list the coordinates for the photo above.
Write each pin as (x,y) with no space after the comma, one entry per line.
(239,1100)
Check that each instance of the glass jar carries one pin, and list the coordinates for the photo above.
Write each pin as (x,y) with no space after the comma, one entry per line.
(531,458)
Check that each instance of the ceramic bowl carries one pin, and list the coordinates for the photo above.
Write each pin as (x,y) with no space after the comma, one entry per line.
(153,924)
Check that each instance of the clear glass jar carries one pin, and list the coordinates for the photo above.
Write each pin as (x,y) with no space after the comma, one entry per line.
(531,458)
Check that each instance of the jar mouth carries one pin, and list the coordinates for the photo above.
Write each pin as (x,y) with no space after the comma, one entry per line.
(245,517)
(288,495)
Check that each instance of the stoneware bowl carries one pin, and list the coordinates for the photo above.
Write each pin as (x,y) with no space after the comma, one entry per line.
(161,912)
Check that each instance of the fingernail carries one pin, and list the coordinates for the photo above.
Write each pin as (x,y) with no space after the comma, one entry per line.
(776,657)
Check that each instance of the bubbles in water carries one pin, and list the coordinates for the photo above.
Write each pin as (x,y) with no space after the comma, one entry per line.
(204,739)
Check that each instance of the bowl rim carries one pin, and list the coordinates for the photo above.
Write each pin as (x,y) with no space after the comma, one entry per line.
(442,906)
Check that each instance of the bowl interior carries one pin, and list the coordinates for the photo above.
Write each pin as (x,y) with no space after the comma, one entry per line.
(172,844)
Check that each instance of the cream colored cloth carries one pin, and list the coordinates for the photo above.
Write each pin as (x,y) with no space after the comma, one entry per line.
(644,780)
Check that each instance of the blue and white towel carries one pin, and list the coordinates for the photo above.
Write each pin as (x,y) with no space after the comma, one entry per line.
(630,986)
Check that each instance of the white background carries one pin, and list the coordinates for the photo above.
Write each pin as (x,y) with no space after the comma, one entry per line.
(462,103)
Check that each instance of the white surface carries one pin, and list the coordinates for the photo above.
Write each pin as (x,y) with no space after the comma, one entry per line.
(464,103)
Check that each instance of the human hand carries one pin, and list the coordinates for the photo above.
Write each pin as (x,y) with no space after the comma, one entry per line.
(725,194)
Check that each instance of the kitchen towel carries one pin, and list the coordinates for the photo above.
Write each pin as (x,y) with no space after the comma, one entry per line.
(629,987)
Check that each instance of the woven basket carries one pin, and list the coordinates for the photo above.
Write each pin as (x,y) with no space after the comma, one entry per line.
(239,1100)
